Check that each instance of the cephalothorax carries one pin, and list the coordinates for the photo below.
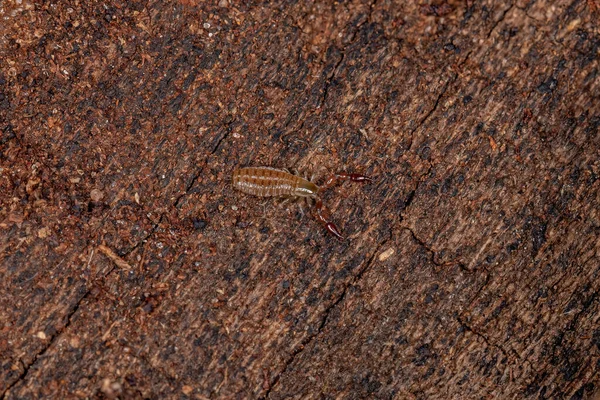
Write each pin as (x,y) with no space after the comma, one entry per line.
(268,182)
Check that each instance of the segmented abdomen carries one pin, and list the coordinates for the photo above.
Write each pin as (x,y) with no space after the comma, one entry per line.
(265,181)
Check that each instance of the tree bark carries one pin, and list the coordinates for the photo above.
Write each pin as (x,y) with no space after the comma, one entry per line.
(130,267)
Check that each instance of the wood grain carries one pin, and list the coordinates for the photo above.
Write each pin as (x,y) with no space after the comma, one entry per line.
(470,268)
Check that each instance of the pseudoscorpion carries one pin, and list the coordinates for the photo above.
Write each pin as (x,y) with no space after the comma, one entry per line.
(273,182)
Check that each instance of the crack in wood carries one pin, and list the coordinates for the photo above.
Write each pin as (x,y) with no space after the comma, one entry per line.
(351,41)
(27,367)
(433,254)
(326,314)
(197,174)
(572,327)
(430,112)
(506,353)
(502,17)
(53,338)
(449,82)
(487,341)
(452,80)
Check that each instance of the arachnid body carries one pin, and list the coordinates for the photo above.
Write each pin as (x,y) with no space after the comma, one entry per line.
(273,182)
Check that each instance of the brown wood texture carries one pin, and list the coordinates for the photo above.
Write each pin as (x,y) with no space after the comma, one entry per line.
(130,268)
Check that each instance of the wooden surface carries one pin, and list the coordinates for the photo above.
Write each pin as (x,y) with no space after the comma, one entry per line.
(131,269)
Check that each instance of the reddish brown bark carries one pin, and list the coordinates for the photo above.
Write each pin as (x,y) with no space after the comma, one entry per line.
(131,268)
